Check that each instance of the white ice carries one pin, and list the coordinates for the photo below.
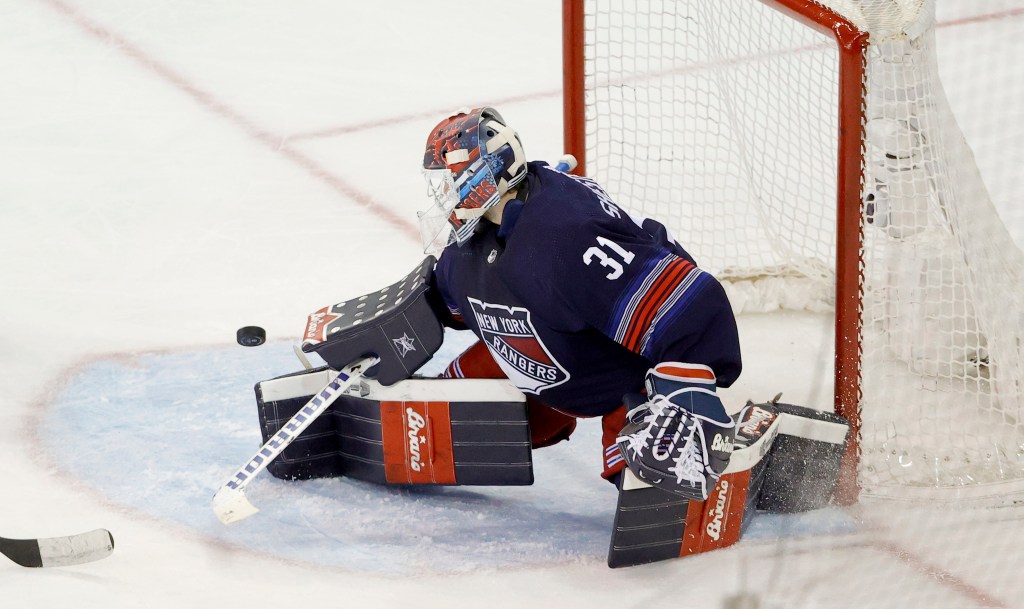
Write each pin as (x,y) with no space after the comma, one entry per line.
(170,171)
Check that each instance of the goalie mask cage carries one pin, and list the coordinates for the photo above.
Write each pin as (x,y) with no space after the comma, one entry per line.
(805,153)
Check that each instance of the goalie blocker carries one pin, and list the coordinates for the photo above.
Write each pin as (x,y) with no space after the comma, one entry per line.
(395,324)
(785,459)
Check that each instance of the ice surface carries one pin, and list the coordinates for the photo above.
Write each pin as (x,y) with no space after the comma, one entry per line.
(170,172)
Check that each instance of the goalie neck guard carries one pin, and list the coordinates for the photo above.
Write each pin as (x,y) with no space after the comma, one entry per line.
(472,158)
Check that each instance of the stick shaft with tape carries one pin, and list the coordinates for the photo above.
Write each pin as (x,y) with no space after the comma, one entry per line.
(230,503)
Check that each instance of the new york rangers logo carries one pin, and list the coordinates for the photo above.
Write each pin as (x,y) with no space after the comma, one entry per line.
(513,341)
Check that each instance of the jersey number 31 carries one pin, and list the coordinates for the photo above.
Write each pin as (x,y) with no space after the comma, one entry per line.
(607,260)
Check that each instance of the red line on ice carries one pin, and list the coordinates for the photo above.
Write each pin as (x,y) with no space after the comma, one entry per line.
(274,142)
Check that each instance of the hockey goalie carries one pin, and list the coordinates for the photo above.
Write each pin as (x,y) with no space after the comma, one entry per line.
(580,311)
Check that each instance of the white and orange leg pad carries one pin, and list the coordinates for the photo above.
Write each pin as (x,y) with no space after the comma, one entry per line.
(786,459)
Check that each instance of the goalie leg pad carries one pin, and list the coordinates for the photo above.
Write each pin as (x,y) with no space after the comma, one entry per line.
(785,459)
(422,431)
(803,466)
(652,524)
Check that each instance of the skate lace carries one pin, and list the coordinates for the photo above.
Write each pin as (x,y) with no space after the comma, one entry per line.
(644,437)
(689,464)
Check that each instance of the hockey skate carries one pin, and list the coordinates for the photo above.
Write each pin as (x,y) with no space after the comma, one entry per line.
(681,438)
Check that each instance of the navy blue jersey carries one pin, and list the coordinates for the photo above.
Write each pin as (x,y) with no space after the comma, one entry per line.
(576,300)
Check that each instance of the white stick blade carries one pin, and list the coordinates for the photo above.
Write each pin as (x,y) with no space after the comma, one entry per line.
(76,549)
(230,505)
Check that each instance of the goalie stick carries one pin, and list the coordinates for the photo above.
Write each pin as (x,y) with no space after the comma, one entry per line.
(59,551)
(230,503)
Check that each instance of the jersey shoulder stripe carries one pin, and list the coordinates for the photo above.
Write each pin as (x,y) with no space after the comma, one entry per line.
(632,295)
(664,285)
(651,303)
(673,307)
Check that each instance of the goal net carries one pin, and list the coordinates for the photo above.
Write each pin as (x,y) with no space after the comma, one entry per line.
(806,154)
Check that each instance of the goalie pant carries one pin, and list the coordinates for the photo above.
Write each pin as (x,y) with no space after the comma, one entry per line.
(547,425)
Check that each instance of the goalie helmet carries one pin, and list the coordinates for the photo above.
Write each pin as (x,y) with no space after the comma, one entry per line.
(472,158)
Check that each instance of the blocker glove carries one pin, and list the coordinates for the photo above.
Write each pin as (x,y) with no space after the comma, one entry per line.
(681,438)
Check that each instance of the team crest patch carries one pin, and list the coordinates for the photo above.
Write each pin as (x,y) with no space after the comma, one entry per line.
(512,340)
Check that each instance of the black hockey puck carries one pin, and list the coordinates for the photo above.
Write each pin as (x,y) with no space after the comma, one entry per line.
(251,336)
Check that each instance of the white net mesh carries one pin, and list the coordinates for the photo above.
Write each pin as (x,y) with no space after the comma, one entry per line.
(680,111)
(939,337)
(721,119)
